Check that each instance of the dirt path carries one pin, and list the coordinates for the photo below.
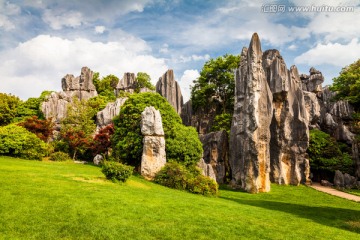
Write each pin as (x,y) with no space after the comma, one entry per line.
(335,192)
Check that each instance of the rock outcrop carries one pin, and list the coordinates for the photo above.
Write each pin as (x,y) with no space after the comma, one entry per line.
(313,109)
(344,180)
(170,89)
(105,116)
(216,154)
(127,83)
(312,82)
(289,126)
(153,156)
(250,130)
(206,169)
(82,87)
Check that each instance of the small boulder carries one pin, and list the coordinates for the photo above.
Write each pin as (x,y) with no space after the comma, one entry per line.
(339,179)
(98,159)
(326,183)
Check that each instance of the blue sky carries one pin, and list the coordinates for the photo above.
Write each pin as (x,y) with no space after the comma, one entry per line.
(43,40)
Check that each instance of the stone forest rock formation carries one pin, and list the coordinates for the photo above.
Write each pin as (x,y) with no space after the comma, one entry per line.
(153,156)
(250,129)
(82,87)
(170,89)
(105,116)
(127,83)
(216,145)
(289,126)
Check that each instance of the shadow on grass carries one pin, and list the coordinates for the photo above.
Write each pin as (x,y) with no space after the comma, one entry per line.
(346,219)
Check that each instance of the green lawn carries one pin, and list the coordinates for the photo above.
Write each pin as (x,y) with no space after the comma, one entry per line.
(51,200)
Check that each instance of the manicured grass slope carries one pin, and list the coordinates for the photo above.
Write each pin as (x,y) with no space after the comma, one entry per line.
(50,200)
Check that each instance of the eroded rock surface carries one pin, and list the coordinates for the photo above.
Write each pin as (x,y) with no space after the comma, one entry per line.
(206,169)
(81,87)
(153,156)
(170,89)
(250,130)
(127,83)
(216,154)
(105,116)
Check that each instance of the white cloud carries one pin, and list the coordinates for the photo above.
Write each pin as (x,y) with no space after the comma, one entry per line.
(334,54)
(100,29)
(7,10)
(292,47)
(58,20)
(194,57)
(186,81)
(41,62)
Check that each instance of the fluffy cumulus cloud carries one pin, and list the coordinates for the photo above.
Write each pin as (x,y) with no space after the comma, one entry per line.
(335,54)
(100,29)
(186,82)
(39,63)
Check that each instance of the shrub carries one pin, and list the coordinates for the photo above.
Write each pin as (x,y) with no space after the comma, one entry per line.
(182,143)
(59,156)
(117,171)
(42,128)
(177,176)
(325,153)
(18,142)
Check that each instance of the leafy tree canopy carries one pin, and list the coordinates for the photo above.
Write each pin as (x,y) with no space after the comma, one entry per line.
(347,84)
(216,83)
(31,107)
(8,108)
(105,87)
(143,81)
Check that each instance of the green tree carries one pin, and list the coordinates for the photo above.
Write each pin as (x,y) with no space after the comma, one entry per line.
(325,153)
(143,81)
(182,143)
(347,84)
(216,84)
(106,86)
(16,141)
(79,117)
(8,108)
(31,107)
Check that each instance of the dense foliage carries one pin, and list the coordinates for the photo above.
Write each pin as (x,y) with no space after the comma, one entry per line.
(222,122)
(59,157)
(106,86)
(216,84)
(176,175)
(326,154)
(8,108)
(18,142)
(347,84)
(75,141)
(143,80)
(116,171)
(31,107)
(42,128)
(182,143)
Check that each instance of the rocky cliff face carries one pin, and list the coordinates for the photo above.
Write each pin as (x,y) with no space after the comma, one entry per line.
(105,116)
(216,154)
(170,89)
(82,87)
(153,156)
(250,130)
(127,83)
(289,126)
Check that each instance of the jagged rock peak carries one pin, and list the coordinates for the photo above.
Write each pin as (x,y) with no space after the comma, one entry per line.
(250,133)
(127,83)
(170,89)
(312,82)
(84,82)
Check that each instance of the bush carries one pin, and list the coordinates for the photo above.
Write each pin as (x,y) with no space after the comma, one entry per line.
(117,171)
(177,176)
(182,143)
(59,157)
(16,141)
(325,153)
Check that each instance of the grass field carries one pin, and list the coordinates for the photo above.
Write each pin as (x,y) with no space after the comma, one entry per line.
(51,200)
(353,191)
